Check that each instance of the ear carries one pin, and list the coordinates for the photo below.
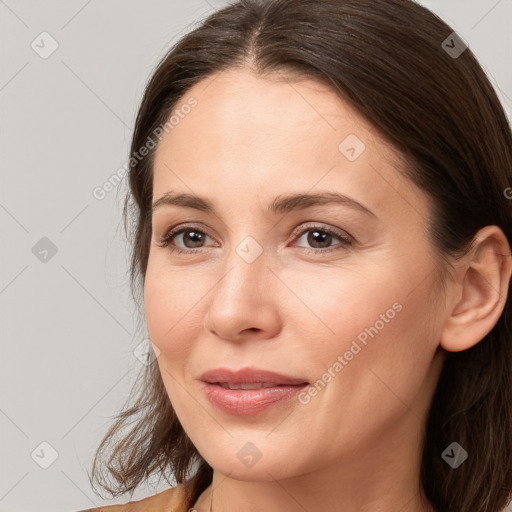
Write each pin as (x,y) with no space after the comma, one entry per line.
(478,296)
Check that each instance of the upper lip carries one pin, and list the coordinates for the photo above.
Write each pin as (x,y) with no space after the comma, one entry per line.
(249,376)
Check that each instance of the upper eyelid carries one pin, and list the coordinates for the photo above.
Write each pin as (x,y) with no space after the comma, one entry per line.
(306,226)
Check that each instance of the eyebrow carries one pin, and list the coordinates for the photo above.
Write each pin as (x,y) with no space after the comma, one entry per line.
(282,204)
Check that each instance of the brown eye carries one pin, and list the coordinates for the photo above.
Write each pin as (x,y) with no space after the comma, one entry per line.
(320,239)
(190,239)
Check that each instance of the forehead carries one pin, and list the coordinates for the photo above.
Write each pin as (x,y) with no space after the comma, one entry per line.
(241,111)
(253,136)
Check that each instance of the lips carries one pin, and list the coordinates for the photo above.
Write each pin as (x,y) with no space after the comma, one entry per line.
(249,391)
(249,378)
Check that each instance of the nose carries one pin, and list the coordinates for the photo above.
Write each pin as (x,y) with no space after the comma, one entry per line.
(244,303)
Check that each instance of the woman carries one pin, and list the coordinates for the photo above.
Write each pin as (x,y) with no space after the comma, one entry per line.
(323,241)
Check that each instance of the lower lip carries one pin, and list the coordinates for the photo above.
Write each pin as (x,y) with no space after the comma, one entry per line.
(247,402)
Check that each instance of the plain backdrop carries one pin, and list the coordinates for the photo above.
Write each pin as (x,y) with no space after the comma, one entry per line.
(70,347)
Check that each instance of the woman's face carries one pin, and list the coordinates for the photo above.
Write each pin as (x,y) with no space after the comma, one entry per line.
(281,289)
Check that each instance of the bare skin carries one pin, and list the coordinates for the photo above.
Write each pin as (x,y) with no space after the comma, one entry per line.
(355,445)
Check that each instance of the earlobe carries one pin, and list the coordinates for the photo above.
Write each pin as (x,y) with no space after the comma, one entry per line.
(480,292)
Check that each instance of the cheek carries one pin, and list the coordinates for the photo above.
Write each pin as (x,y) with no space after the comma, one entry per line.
(386,360)
(172,308)
(376,334)
(172,322)
(371,373)
(340,305)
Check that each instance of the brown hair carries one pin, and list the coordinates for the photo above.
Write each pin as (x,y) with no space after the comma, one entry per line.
(386,57)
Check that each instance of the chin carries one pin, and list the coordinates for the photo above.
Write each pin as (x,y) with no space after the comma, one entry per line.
(241,460)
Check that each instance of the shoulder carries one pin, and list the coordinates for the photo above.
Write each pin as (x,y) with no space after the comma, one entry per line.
(170,500)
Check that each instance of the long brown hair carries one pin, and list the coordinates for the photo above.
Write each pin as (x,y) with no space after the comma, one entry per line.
(390,60)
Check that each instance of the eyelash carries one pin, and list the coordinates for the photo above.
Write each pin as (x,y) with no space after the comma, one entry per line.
(345,241)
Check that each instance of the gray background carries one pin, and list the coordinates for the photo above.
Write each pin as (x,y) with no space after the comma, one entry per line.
(69,333)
